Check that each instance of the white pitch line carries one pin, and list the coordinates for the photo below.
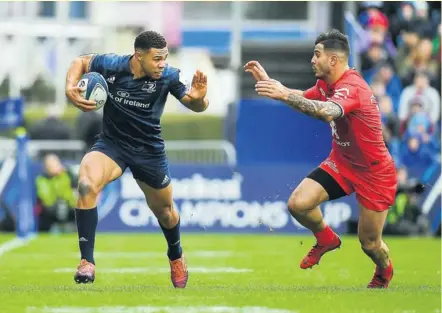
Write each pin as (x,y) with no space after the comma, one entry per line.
(147,254)
(157,270)
(14,244)
(432,196)
(156,309)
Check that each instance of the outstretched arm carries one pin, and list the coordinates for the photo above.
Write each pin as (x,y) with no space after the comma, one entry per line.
(295,91)
(326,111)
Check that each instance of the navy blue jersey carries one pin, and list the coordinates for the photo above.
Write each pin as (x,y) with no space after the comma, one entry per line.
(131,116)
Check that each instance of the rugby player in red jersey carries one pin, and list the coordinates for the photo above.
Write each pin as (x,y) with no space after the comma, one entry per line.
(359,161)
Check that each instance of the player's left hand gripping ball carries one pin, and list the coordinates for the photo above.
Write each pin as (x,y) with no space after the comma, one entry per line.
(198,89)
(272,89)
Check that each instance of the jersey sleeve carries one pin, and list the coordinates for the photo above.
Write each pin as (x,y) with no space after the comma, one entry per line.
(346,96)
(105,63)
(313,93)
(176,87)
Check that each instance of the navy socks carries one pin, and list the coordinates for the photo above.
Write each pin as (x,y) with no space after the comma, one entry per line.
(87,221)
(172,235)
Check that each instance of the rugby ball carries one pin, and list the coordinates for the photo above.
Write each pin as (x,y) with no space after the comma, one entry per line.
(95,88)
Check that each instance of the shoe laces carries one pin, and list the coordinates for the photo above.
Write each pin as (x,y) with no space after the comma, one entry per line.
(315,250)
(178,267)
(377,281)
(85,265)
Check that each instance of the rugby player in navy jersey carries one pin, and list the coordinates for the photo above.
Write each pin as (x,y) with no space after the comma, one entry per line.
(131,138)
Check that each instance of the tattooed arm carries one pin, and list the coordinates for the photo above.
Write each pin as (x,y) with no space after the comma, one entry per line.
(326,111)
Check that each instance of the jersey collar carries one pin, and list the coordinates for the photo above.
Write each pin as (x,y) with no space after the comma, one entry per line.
(351,70)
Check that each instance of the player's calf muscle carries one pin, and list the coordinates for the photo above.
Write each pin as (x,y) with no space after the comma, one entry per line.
(303,204)
(306,212)
(161,203)
(370,228)
(377,251)
(369,243)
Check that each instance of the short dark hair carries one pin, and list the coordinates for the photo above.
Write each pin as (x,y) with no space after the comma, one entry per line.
(334,40)
(150,39)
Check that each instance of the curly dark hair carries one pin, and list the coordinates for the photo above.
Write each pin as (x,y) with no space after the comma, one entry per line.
(334,40)
(150,39)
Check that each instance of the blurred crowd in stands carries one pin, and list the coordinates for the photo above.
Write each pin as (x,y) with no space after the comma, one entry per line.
(401,61)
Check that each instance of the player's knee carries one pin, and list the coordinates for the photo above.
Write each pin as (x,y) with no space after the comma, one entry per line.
(369,242)
(90,182)
(164,214)
(87,187)
(298,204)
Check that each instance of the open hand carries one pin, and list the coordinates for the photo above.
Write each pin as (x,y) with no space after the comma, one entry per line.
(256,69)
(272,89)
(198,89)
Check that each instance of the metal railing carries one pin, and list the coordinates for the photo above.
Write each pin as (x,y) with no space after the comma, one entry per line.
(201,151)
(213,152)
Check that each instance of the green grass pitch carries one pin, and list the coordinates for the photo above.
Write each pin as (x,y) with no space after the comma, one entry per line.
(229,273)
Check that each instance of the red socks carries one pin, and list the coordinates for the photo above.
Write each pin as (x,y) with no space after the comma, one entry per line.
(325,236)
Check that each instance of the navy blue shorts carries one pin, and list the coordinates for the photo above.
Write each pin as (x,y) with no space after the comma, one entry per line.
(152,169)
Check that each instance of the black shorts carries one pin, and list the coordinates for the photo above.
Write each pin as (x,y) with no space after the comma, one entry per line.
(330,185)
(152,170)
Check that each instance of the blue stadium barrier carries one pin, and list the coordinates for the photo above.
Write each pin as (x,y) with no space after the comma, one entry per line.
(219,41)
(270,132)
(25,182)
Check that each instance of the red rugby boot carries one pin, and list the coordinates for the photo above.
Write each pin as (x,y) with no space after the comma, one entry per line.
(381,278)
(318,250)
(178,272)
